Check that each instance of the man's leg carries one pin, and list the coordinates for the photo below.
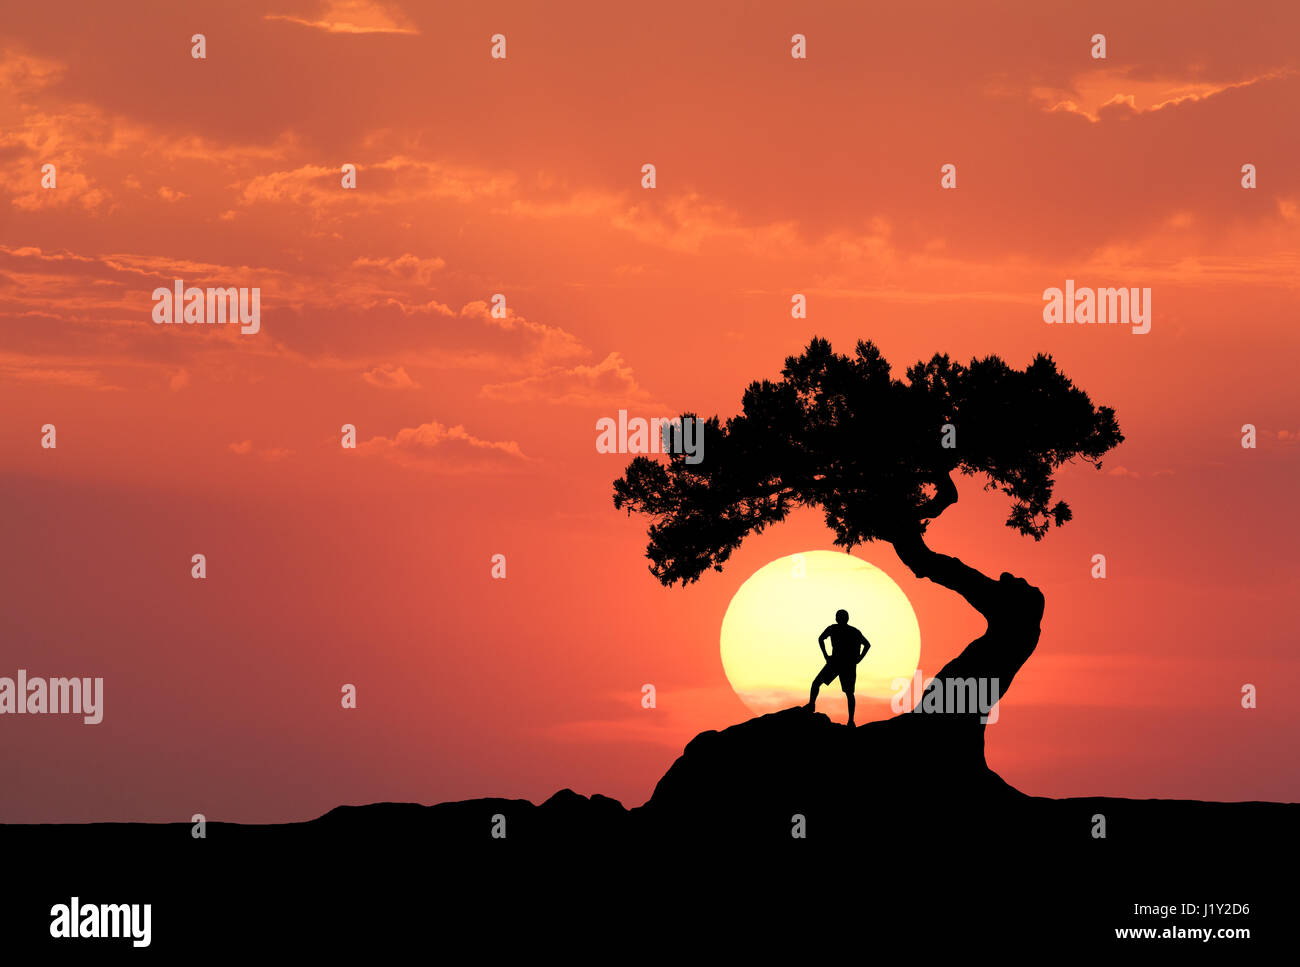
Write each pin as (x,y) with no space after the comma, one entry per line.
(820,680)
(848,682)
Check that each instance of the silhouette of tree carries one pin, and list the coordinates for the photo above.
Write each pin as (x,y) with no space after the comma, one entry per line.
(844,435)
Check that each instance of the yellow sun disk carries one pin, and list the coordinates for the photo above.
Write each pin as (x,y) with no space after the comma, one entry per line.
(769,633)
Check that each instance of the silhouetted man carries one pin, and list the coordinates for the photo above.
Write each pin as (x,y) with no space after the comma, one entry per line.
(843,660)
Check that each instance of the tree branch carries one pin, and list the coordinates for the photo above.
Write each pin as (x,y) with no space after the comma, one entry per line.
(944,497)
(980,590)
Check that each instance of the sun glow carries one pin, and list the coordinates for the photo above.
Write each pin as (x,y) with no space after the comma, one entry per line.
(769,633)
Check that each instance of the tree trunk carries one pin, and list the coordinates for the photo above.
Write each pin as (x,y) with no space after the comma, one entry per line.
(1012,607)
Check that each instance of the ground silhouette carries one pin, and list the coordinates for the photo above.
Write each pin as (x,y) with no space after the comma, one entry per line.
(934,848)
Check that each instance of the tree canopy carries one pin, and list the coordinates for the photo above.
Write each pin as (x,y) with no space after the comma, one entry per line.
(843,434)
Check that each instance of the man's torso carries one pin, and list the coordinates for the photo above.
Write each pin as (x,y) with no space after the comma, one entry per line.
(845,644)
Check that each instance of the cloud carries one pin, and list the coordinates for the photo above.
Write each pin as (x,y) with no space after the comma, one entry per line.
(551,341)
(1137,475)
(37,127)
(243,448)
(687,224)
(406,266)
(31,138)
(179,380)
(38,373)
(610,382)
(22,73)
(354,17)
(372,320)
(398,182)
(390,377)
(1098,95)
(434,446)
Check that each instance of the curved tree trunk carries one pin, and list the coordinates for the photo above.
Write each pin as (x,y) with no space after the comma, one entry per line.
(1012,607)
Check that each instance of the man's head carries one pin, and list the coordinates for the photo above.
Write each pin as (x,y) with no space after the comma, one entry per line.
(841,617)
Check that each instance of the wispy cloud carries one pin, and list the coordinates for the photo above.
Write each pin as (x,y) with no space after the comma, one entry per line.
(353,17)
(390,377)
(1098,94)
(448,449)
(608,382)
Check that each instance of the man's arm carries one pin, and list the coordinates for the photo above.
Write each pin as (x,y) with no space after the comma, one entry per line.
(866,646)
(821,643)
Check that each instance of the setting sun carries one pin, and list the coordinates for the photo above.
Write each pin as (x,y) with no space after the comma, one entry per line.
(769,633)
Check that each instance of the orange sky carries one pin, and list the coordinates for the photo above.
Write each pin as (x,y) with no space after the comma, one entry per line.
(478,176)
